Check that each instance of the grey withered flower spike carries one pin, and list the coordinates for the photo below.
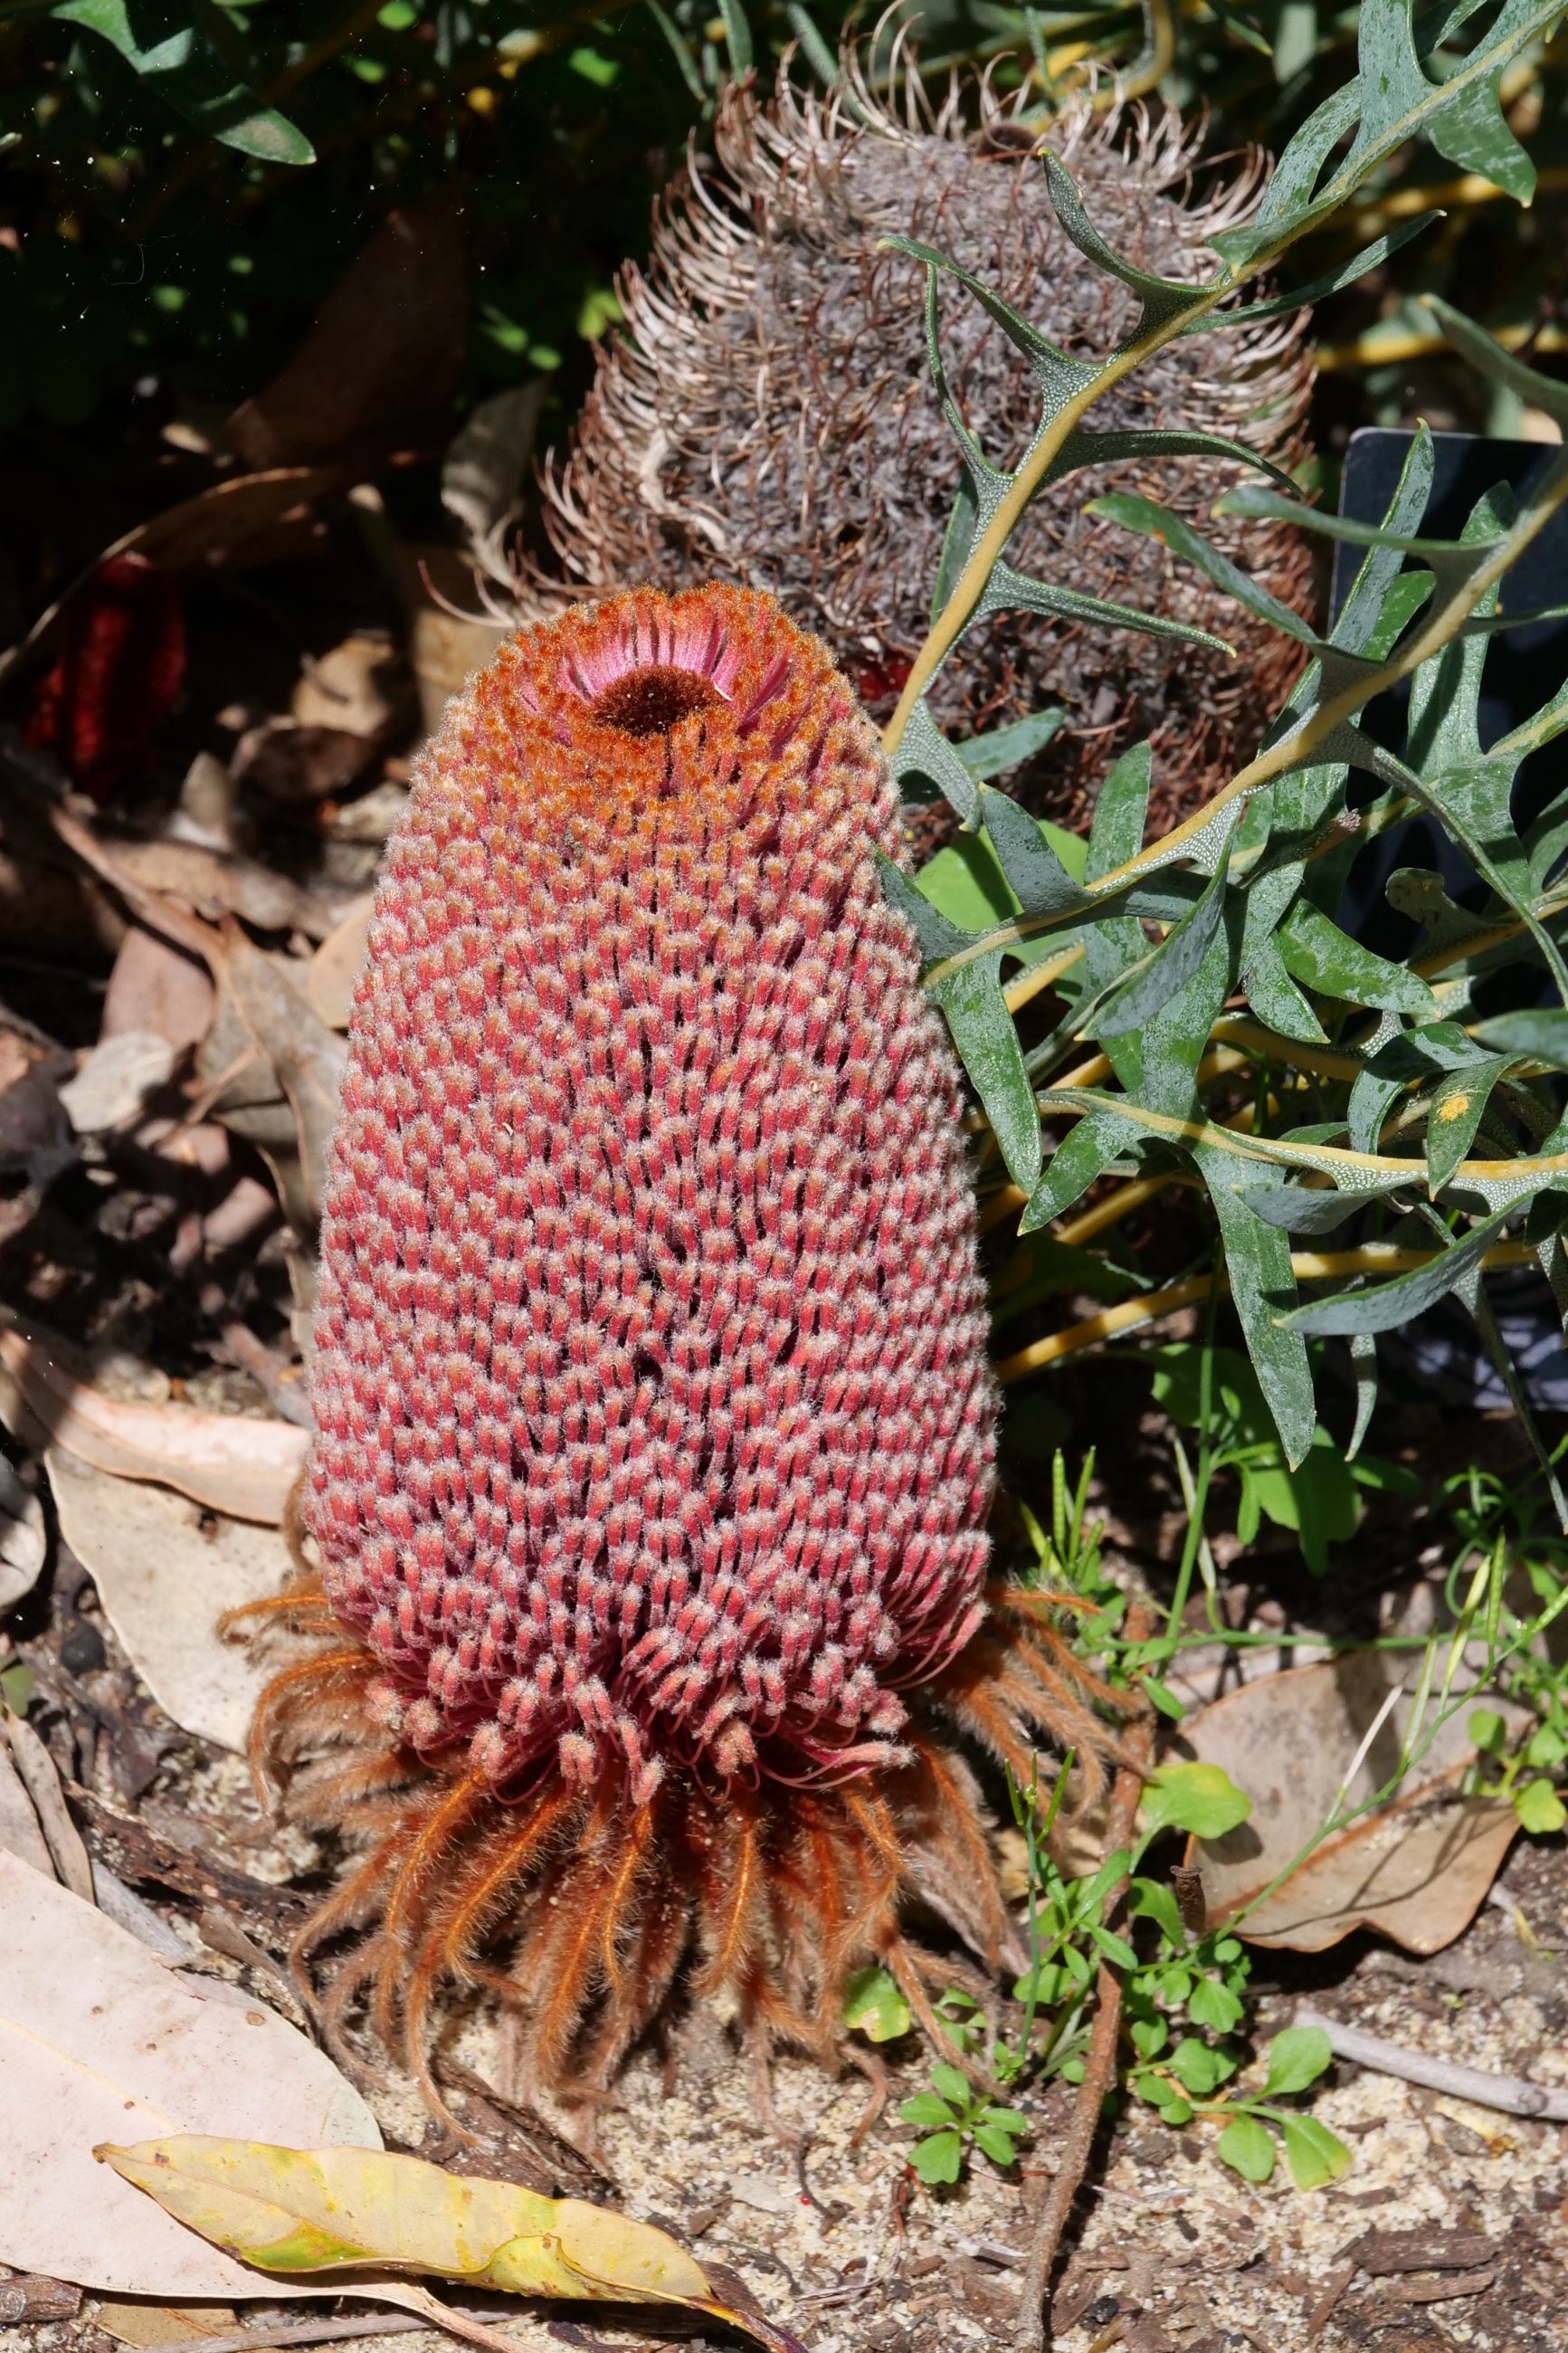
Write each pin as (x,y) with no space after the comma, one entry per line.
(765,413)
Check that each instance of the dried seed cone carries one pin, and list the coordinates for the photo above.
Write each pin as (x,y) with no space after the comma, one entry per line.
(654,1426)
(767,414)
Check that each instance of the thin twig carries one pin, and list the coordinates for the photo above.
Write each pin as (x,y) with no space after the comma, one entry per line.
(1512,2094)
(1100,2066)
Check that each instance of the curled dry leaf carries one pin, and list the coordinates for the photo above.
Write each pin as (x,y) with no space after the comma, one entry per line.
(232,1462)
(116,2043)
(330,2210)
(1417,1868)
(165,1572)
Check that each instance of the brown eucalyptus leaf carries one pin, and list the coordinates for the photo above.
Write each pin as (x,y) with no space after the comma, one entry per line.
(1417,1868)
(233,1462)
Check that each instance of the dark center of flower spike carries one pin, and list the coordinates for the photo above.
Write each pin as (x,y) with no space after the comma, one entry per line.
(650,701)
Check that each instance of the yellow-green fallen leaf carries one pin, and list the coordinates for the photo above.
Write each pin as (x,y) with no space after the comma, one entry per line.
(294,2210)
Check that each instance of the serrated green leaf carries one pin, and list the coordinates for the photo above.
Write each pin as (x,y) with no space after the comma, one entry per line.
(1170,966)
(1007,747)
(1083,1155)
(1297,2057)
(1039,880)
(1272,994)
(1247,2148)
(1163,299)
(951,2081)
(1120,812)
(1008,591)
(1321,956)
(1348,273)
(1202,1800)
(1385,1305)
(1115,1948)
(1152,520)
(1540,1031)
(1296,1210)
(925,756)
(935,934)
(1262,1282)
(970,998)
(1459,1104)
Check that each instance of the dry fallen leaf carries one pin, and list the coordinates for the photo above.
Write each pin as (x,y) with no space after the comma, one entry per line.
(359,685)
(132,2322)
(338,963)
(1416,1870)
(157,988)
(19,1832)
(116,2043)
(24,1539)
(113,1084)
(267,993)
(65,1857)
(384,355)
(165,1572)
(330,2210)
(232,1462)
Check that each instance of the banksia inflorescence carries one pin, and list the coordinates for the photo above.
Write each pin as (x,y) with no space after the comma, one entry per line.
(654,1426)
(766,414)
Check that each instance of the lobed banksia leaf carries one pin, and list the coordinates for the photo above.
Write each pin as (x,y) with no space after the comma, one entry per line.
(654,1425)
(767,413)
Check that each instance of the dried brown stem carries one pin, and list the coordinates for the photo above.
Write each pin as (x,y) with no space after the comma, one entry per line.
(1099,2066)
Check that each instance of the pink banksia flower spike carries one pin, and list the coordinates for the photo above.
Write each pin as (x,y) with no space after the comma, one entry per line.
(654,1426)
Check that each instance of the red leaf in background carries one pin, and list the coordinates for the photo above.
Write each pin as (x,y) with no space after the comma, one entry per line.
(121,668)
